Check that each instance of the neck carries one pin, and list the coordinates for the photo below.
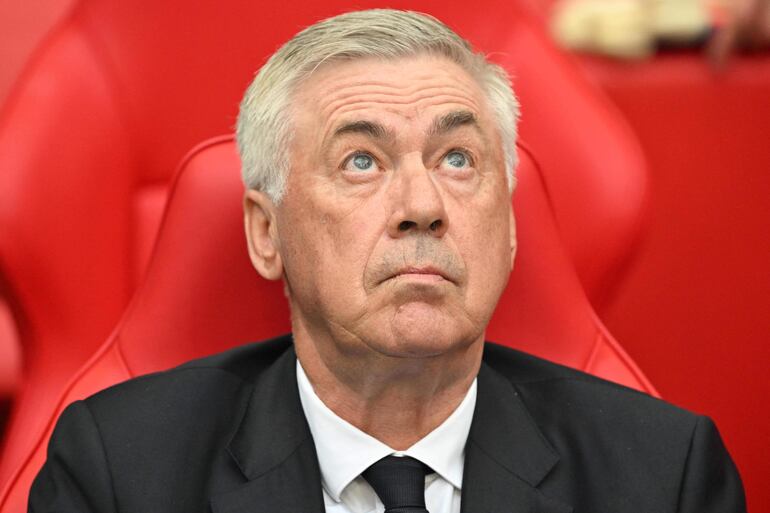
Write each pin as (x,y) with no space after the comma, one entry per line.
(395,399)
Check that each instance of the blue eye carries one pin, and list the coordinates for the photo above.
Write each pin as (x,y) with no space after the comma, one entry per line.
(457,159)
(361,162)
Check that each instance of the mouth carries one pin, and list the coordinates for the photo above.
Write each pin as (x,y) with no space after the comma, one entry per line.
(425,273)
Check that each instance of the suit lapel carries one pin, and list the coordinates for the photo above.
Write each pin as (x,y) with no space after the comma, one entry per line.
(274,450)
(506,455)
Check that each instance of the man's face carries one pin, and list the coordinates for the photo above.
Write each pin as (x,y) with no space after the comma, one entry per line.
(396,231)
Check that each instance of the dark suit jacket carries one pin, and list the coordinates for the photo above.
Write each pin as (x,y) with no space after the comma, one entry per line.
(227,433)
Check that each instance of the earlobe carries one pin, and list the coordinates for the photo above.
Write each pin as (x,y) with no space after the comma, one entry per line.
(261,234)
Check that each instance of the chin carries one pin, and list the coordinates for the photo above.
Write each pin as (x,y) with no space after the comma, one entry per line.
(422,330)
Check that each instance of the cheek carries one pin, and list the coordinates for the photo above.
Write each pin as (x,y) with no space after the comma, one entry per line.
(486,249)
(325,257)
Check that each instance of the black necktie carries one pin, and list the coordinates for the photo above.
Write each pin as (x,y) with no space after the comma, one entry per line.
(399,483)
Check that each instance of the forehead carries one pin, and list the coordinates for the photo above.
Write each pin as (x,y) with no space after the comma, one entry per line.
(414,89)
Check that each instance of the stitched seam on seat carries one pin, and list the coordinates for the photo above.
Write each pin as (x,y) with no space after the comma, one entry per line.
(116,92)
(40,52)
(40,438)
(627,361)
(122,358)
(593,354)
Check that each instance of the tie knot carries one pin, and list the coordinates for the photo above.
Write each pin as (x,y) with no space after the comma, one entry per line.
(399,483)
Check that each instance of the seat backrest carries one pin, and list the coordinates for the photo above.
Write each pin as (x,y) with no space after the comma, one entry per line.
(201,294)
(117,95)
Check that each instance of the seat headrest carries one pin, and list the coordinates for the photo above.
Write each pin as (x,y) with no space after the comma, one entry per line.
(201,295)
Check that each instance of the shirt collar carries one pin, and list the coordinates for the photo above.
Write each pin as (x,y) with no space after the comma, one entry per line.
(345,451)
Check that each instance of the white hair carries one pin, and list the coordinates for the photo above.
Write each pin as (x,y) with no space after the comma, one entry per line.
(264,126)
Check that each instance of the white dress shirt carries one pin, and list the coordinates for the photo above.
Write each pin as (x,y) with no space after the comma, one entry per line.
(345,451)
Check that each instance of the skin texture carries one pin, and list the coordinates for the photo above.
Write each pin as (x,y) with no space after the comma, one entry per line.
(395,239)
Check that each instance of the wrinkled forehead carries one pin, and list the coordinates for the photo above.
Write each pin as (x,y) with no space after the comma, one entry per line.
(414,89)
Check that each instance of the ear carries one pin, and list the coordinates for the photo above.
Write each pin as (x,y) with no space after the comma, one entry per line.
(262,234)
(514,244)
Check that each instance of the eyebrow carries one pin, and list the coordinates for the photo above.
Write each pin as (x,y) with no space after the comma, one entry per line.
(369,128)
(453,120)
(440,126)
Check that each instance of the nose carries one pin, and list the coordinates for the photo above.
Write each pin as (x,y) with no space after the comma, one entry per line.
(418,206)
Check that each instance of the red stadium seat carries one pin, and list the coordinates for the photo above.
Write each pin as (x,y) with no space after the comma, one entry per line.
(201,294)
(116,96)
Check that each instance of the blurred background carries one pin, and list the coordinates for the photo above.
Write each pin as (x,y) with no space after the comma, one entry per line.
(690,78)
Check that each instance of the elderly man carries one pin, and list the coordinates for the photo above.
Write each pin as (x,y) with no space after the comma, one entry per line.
(378,153)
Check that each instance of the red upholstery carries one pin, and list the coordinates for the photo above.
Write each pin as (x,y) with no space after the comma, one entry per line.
(116,96)
(22,26)
(10,357)
(695,312)
(201,294)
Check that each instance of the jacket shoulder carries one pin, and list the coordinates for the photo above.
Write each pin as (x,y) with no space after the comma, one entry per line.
(207,391)
(552,392)
(648,454)
(527,368)
(156,439)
